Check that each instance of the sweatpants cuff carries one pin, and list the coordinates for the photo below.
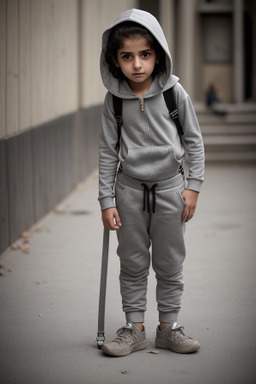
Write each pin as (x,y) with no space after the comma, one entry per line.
(168,317)
(135,317)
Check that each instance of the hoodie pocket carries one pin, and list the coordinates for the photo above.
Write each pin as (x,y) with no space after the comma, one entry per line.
(151,163)
(120,191)
(179,191)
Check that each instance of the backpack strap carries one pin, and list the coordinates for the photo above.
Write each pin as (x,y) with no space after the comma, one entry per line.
(118,111)
(172,107)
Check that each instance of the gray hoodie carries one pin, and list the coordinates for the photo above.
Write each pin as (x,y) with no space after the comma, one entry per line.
(150,148)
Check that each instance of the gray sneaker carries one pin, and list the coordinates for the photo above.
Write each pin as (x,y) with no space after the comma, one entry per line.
(173,338)
(129,339)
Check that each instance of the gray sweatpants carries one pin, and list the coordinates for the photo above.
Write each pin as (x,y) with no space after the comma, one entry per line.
(151,227)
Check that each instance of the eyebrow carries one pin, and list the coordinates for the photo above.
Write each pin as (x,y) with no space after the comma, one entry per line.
(129,53)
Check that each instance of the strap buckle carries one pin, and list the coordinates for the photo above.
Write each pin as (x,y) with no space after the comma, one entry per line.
(174,114)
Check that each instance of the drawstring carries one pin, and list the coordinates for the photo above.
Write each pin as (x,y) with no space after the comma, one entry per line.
(153,189)
(145,197)
(146,193)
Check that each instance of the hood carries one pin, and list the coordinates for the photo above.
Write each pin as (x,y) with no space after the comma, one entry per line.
(162,81)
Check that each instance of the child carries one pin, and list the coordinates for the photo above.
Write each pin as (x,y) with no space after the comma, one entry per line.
(146,201)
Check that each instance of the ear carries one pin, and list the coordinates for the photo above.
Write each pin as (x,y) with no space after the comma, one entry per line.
(115,62)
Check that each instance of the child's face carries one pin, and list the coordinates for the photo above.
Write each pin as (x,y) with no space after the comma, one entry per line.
(137,60)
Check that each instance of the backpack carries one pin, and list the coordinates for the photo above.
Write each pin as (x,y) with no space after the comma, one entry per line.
(170,103)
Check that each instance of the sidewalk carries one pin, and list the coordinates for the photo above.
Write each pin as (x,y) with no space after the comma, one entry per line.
(49,296)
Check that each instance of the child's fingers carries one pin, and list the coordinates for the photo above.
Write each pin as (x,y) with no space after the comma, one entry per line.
(185,215)
(110,224)
(190,198)
(117,219)
(111,219)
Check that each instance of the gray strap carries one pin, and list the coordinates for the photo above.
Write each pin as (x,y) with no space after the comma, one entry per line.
(103,284)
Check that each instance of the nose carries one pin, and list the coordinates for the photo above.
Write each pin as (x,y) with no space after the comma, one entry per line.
(137,63)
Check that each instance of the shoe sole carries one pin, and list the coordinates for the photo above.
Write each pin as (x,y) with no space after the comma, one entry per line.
(166,345)
(126,352)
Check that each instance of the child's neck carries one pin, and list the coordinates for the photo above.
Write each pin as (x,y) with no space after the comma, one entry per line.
(140,89)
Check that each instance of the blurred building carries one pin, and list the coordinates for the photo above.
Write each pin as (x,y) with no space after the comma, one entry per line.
(212,42)
(51,92)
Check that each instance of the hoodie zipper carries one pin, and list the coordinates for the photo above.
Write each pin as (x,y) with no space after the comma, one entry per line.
(142,104)
(147,130)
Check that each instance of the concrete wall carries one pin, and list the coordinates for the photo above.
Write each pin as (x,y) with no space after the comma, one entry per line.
(39,76)
(50,103)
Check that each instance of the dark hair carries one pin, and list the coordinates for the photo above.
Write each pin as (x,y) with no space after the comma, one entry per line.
(123,31)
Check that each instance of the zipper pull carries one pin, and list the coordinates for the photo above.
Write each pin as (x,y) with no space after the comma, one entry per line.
(142,104)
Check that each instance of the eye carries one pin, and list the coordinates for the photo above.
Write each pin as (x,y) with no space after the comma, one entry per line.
(145,55)
(126,57)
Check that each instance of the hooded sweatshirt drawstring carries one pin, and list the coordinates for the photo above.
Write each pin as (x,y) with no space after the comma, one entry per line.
(146,195)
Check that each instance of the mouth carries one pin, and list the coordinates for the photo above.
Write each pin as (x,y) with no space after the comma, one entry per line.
(138,74)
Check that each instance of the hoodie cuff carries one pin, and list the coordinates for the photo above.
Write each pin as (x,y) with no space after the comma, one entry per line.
(106,202)
(194,185)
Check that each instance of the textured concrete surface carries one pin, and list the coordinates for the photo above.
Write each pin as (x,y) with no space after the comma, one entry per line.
(49,296)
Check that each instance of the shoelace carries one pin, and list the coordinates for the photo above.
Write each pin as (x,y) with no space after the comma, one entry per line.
(146,195)
(124,334)
(179,334)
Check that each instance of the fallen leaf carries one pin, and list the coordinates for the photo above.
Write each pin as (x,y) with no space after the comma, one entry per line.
(155,352)
(59,211)
(124,372)
(25,235)
(23,249)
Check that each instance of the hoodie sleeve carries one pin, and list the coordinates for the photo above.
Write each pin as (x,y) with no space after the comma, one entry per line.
(108,157)
(192,139)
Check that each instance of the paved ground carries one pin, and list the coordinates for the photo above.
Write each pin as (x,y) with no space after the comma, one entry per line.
(49,296)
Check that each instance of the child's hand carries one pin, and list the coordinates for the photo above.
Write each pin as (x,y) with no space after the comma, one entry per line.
(111,219)
(190,197)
